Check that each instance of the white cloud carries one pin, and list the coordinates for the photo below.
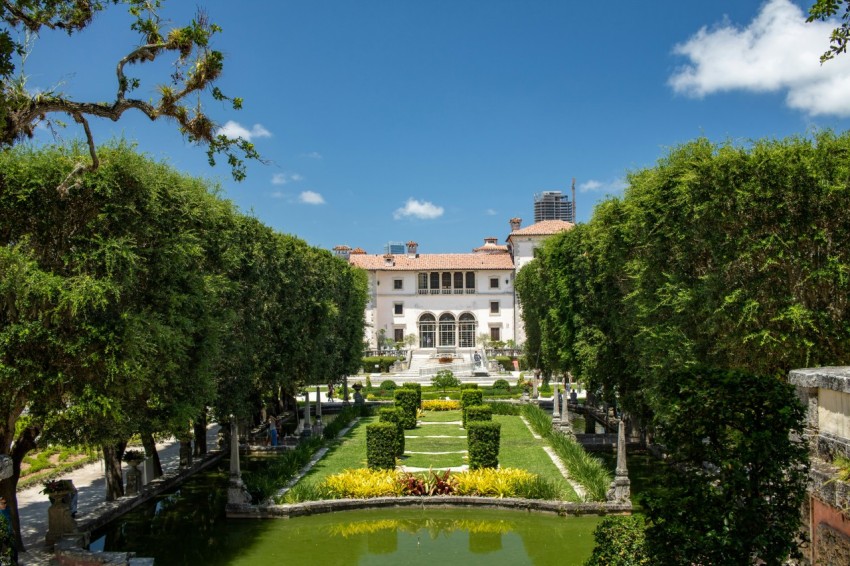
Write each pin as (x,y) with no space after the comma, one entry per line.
(777,51)
(236,130)
(284,178)
(310,197)
(594,186)
(490,212)
(419,209)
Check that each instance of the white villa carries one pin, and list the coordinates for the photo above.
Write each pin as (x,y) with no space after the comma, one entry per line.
(448,300)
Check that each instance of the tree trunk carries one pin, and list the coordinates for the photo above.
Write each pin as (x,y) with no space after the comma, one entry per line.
(200,429)
(589,421)
(112,463)
(9,487)
(150,450)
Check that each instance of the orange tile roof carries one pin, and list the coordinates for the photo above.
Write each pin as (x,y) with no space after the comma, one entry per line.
(492,248)
(543,228)
(427,262)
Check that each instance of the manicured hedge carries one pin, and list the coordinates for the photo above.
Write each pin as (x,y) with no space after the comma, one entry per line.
(476,413)
(406,399)
(501,384)
(469,398)
(383,362)
(468,386)
(389,385)
(511,409)
(483,439)
(394,415)
(418,388)
(381,445)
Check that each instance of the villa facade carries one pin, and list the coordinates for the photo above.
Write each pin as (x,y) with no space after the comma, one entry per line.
(447,301)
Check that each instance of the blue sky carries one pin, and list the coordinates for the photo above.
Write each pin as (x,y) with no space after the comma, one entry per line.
(438,120)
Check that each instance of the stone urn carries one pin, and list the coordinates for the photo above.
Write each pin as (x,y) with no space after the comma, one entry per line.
(134,476)
(63,509)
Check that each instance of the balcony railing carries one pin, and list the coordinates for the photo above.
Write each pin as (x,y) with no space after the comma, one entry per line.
(446,291)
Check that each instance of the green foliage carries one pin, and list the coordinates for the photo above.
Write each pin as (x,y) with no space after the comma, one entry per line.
(736,473)
(483,438)
(389,385)
(406,401)
(475,413)
(502,385)
(620,541)
(381,442)
(342,419)
(506,362)
(824,10)
(468,386)
(383,362)
(585,469)
(444,379)
(264,482)
(362,483)
(509,409)
(418,388)
(394,415)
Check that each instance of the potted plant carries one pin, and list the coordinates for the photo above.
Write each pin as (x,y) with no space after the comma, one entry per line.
(134,457)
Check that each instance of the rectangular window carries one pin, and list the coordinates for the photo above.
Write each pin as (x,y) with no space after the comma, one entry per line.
(398,309)
(423,281)
(494,282)
(494,307)
(398,334)
(447,280)
(495,335)
(458,280)
(470,280)
(435,280)
(397,284)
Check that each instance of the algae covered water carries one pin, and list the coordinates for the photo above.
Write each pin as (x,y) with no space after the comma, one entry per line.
(188,526)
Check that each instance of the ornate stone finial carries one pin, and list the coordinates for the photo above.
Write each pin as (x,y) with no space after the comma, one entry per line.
(556,409)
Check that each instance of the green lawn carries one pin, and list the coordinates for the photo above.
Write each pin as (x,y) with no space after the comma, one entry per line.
(518,449)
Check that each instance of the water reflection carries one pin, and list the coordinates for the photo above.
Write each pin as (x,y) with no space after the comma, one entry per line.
(188,526)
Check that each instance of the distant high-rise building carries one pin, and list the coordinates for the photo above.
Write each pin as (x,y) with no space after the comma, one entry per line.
(554,205)
(394,248)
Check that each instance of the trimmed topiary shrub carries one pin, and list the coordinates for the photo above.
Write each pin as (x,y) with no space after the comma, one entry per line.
(483,439)
(468,398)
(381,445)
(389,385)
(418,388)
(468,386)
(405,399)
(502,385)
(394,415)
(475,413)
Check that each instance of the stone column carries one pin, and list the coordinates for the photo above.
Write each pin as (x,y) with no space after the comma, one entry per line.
(345,391)
(237,494)
(308,423)
(620,490)
(318,426)
(556,410)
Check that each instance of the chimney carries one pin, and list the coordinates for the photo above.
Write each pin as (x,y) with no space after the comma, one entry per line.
(491,240)
(411,248)
(515,224)
(388,260)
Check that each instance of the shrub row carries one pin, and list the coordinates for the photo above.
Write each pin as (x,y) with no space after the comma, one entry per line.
(342,419)
(418,388)
(475,413)
(265,482)
(468,398)
(510,409)
(383,363)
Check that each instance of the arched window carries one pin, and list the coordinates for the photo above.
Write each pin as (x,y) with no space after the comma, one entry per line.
(427,331)
(447,329)
(467,328)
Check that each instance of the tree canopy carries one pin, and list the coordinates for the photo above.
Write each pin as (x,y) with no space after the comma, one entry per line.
(196,68)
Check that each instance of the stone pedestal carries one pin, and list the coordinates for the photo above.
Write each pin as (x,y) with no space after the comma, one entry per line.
(318,406)
(185,453)
(134,478)
(60,515)
(620,490)
(556,408)
(237,493)
(345,390)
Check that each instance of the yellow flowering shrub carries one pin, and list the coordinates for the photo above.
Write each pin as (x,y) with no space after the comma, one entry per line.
(440,405)
(494,482)
(363,483)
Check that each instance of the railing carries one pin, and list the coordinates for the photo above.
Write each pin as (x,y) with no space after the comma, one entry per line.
(454,368)
(382,352)
(446,291)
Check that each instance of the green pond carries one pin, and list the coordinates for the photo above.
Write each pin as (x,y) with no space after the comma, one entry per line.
(187,526)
